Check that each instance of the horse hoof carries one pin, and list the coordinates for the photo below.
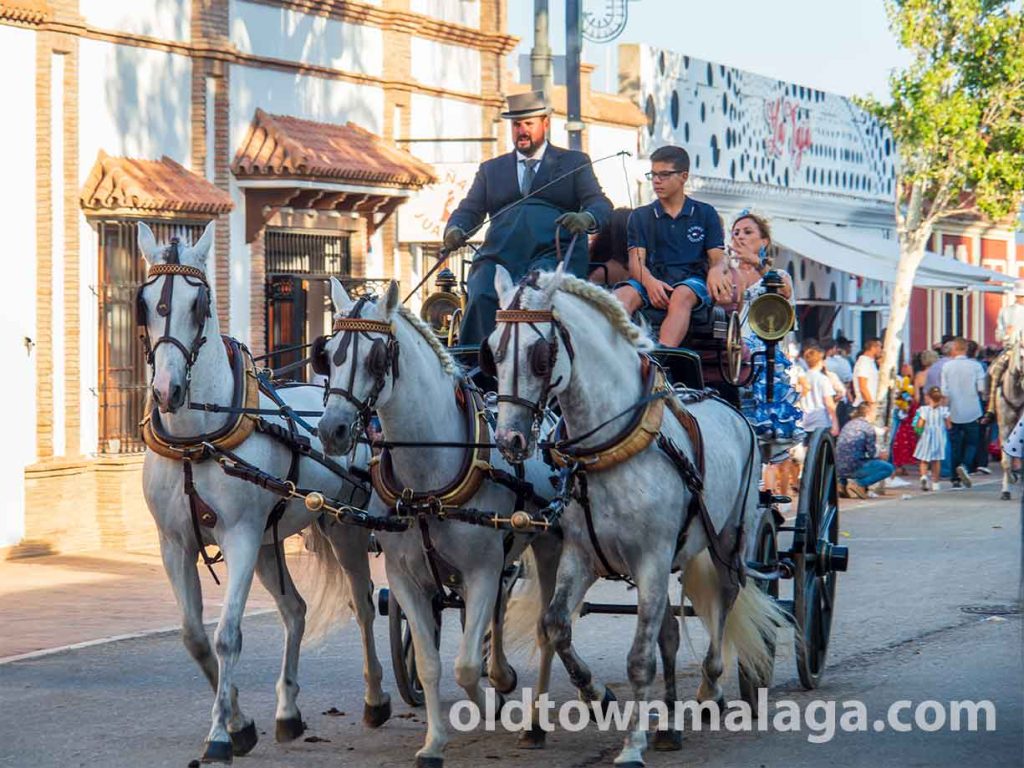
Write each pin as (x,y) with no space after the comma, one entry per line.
(668,741)
(511,687)
(535,738)
(1005,495)
(217,752)
(289,729)
(429,762)
(606,700)
(244,740)
(630,764)
(375,715)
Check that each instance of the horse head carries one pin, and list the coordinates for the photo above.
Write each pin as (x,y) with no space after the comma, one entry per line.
(173,306)
(529,355)
(360,361)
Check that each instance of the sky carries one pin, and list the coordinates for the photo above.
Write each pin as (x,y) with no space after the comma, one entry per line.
(842,46)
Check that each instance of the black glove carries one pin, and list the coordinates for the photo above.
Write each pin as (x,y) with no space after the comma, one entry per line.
(577,222)
(454,238)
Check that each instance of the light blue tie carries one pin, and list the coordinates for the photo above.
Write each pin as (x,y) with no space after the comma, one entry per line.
(528,175)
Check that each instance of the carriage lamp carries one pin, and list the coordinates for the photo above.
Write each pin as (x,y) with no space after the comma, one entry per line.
(771,317)
(445,280)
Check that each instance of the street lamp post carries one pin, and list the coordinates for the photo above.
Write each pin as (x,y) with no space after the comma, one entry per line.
(573,48)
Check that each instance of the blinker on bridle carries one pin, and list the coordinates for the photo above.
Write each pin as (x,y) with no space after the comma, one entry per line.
(170,269)
(381,360)
(543,356)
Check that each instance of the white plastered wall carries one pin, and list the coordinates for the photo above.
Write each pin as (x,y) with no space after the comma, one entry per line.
(163,19)
(18,309)
(281,93)
(283,33)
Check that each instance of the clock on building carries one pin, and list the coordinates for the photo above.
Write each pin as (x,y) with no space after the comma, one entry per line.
(604,20)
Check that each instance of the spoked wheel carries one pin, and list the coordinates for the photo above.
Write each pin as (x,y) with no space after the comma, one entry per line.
(403,657)
(762,555)
(734,350)
(817,557)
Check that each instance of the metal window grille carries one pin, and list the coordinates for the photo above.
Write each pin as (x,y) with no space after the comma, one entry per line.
(307,253)
(122,366)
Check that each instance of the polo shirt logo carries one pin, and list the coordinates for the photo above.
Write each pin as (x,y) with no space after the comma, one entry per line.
(695,233)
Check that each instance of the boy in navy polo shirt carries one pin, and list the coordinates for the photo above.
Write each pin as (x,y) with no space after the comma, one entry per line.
(676,250)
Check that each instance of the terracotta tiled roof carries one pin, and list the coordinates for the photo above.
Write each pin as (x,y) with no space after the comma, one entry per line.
(282,146)
(129,184)
(597,107)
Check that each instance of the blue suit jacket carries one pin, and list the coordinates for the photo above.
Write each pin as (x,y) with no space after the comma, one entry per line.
(497,185)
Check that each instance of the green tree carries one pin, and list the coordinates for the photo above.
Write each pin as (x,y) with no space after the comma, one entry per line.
(957,115)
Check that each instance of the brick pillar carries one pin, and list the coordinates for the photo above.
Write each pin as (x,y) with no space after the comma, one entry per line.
(258,296)
(44,250)
(72,256)
(210,27)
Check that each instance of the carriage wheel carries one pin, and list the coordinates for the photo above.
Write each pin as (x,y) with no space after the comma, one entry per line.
(403,657)
(818,558)
(734,350)
(762,554)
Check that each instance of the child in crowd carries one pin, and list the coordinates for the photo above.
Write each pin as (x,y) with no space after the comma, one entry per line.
(932,422)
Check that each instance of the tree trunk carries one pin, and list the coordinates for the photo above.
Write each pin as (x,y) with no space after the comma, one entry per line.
(912,246)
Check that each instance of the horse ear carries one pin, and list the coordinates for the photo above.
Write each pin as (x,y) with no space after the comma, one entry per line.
(147,243)
(201,249)
(392,299)
(339,296)
(503,284)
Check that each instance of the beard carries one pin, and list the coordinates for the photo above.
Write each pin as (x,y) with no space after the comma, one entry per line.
(528,149)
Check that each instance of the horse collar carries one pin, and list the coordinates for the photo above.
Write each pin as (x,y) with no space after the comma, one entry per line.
(635,437)
(475,468)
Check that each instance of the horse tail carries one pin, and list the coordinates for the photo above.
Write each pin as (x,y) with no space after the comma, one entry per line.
(330,599)
(524,606)
(751,624)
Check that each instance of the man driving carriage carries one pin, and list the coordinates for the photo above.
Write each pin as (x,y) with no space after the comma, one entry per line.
(561,190)
(1009,326)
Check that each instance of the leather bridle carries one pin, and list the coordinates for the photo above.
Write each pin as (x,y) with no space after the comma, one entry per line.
(201,311)
(382,359)
(543,356)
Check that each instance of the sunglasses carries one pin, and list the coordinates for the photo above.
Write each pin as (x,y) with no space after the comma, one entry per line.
(663,175)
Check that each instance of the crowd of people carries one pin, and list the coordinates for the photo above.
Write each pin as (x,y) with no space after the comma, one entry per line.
(939,422)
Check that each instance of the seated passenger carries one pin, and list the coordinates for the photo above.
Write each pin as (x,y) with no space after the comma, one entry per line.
(751,248)
(609,257)
(676,250)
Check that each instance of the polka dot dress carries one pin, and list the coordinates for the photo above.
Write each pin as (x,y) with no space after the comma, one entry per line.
(1014,445)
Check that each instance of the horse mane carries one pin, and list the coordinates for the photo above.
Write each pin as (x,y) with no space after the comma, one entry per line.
(447,361)
(603,301)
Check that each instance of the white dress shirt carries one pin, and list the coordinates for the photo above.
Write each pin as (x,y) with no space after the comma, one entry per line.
(521,162)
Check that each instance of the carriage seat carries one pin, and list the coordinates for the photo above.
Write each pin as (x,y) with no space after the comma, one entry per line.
(708,326)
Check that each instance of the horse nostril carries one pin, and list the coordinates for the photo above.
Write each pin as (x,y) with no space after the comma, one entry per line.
(156,394)
(518,442)
(176,395)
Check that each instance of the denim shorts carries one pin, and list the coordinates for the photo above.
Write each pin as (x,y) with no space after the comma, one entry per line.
(695,284)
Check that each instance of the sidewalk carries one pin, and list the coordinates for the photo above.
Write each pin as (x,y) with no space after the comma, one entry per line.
(48,603)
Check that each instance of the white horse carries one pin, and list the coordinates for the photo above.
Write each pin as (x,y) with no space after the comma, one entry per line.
(593,366)
(190,365)
(1009,407)
(419,405)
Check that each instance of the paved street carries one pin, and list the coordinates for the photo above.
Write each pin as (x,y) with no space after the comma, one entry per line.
(928,610)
